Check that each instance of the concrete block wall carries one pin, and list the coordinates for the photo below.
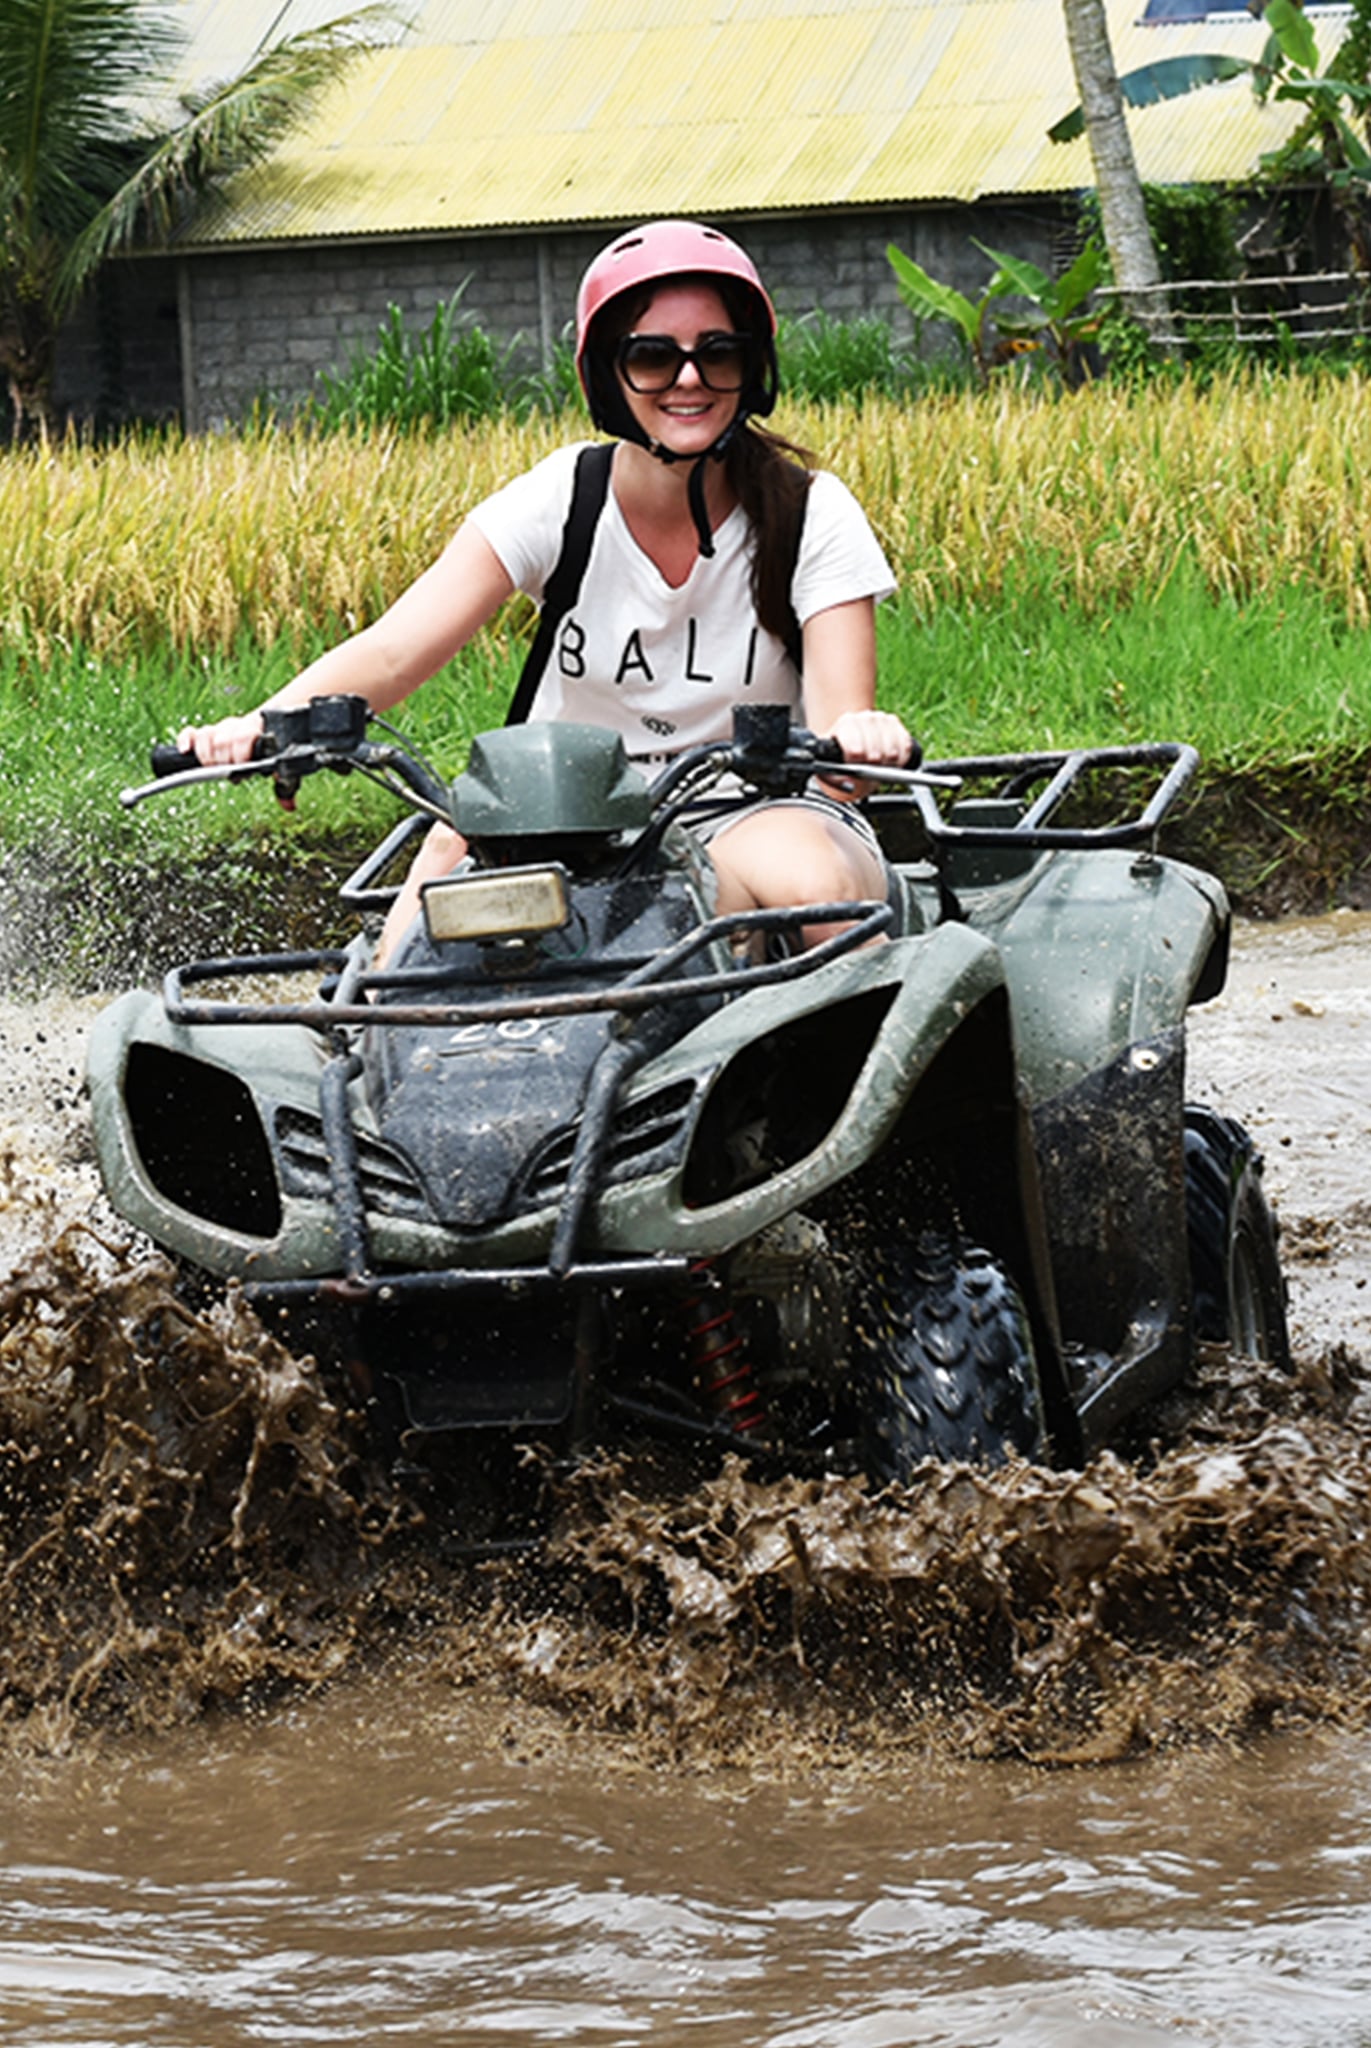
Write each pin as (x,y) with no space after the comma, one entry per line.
(260,324)
(119,357)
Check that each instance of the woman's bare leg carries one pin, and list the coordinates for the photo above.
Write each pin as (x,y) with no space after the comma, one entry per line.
(790,856)
(439,855)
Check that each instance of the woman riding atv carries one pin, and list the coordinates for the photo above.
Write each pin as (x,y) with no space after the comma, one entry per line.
(721,569)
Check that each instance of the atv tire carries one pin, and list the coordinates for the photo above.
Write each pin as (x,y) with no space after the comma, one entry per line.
(946,1360)
(1237,1287)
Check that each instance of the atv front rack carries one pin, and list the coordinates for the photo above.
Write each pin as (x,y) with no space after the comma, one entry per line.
(642,984)
(354,1290)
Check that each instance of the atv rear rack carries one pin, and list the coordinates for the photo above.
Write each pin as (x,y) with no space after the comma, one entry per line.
(1065,772)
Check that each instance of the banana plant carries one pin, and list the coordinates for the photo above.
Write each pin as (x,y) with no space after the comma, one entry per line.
(928,299)
(1329,146)
(1057,302)
(1056,318)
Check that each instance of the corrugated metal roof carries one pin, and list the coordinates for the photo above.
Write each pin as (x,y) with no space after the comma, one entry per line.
(497,113)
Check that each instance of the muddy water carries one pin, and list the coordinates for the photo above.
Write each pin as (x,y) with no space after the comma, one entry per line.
(1287,1049)
(1038,1758)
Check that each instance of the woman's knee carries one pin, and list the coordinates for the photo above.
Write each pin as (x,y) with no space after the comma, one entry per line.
(819,860)
(439,855)
(790,858)
(442,849)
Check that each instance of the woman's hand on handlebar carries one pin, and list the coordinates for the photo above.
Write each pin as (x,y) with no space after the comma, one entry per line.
(876,736)
(228,742)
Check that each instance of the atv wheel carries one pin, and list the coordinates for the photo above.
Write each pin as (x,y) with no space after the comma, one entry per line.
(1237,1287)
(949,1370)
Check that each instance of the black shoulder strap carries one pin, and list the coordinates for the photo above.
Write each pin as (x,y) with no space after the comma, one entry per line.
(794,636)
(564,584)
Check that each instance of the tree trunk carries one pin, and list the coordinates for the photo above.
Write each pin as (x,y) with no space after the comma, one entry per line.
(1122,212)
(27,352)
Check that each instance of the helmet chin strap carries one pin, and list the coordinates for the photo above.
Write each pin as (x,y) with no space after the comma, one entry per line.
(695,488)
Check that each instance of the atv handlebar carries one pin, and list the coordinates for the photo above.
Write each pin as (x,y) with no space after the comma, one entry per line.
(765,752)
(299,740)
(778,758)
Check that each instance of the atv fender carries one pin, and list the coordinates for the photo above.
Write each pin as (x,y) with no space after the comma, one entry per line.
(1103,951)
(1103,958)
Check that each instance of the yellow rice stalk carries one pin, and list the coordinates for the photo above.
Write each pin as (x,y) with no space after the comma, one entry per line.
(1100,497)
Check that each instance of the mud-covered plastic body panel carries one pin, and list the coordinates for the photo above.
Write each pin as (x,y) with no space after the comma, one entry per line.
(890,1012)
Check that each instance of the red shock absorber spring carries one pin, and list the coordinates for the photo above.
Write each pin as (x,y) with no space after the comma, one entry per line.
(723,1372)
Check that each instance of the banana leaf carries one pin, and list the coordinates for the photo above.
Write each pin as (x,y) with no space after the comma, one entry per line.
(1168,79)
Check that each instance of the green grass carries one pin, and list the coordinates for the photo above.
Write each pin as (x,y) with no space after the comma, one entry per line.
(76,729)
(1277,679)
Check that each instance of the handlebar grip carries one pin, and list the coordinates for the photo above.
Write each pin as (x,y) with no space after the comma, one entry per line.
(829,750)
(166,759)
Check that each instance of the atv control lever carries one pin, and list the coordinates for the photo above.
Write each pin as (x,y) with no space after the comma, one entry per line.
(778,758)
(333,724)
(338,724)
(173,768)
(771,753)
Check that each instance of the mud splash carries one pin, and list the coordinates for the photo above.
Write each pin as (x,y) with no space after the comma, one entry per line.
(194,1523)
(1202,1592)
(185,1516)
(191,1522)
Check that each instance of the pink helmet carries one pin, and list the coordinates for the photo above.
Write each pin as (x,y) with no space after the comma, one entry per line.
(647,255)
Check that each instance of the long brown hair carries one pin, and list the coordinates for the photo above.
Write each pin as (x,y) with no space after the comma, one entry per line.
(771,476)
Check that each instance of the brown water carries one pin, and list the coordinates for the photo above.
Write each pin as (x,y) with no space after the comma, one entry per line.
(1035,1758)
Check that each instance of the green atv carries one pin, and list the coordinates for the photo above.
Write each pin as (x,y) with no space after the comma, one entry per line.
(587,1161)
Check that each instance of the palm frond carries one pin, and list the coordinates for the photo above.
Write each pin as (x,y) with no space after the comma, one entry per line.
(73,72)
(228,127)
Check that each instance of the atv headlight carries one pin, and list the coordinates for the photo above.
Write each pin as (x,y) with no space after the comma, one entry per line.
(497,903)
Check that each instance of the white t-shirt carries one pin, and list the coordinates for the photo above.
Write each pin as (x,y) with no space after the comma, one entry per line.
(664,667)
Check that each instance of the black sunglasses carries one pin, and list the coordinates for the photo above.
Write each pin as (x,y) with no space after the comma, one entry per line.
(653,362)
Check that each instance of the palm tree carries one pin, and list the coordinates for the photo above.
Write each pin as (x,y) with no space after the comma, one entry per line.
(1332,145)
(86,171)
(1123,213)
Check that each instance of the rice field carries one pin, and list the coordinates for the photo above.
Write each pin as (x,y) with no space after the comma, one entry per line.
(198,545)
(1103,497)
(1167,560)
